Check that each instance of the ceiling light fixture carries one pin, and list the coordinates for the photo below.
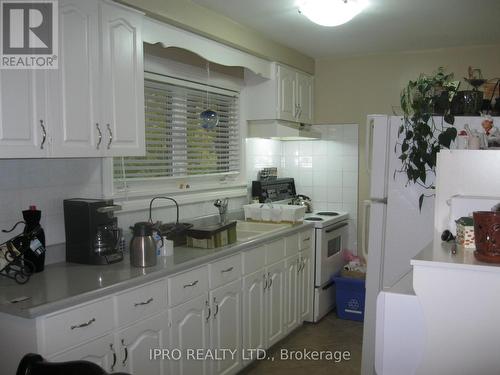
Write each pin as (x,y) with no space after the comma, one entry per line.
(331,12)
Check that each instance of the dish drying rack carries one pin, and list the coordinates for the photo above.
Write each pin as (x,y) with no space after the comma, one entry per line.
(12,262)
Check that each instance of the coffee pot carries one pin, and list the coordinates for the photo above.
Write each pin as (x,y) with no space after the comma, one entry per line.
(143,245)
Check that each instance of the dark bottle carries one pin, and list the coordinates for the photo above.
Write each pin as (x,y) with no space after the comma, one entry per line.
(32,228)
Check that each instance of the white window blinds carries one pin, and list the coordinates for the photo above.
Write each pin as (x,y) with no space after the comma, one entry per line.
(176,144)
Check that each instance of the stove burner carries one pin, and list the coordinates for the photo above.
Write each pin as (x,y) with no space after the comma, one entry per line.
(313,218)
(327,213)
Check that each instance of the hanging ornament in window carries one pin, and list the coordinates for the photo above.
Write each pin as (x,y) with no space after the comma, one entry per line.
(209,118)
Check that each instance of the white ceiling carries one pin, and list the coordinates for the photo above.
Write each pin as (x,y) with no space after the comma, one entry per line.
(386,26)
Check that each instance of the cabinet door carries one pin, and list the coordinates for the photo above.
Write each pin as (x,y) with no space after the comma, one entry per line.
(225,332)
(122,81)
(275,303)
(101,351)
(305,286)
(292,290)
(74,87)
(190,330)
(305,98)
(254,313)
(22,114)
(286,94)
(134,344)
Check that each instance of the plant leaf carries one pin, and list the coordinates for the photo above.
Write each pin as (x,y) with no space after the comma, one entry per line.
(449,118)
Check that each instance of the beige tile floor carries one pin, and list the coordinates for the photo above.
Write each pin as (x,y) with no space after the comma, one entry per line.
(330,334)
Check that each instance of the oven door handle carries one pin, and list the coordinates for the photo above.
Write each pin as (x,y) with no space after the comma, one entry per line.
(336,227)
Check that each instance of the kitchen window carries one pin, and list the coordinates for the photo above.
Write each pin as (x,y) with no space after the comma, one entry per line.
(177,146)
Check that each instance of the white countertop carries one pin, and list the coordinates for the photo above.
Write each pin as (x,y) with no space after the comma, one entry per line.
(438,254)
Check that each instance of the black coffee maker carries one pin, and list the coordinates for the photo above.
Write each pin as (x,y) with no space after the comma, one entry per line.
(92,233)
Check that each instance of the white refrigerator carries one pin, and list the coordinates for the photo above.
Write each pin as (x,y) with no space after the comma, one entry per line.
(394,228)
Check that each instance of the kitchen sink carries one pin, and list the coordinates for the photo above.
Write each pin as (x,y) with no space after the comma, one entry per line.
(247,230)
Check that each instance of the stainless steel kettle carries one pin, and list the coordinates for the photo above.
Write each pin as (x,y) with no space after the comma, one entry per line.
(143,245)
(303,200)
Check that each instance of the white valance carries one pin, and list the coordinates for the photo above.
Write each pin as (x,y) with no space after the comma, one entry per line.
(170,36)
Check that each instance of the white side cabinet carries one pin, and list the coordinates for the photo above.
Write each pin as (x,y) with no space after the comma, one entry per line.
(93,104)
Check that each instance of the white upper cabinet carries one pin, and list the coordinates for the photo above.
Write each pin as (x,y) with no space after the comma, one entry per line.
(287,96)
(23,129)
(122,81)
(93,104)
(304,101)
(73,113)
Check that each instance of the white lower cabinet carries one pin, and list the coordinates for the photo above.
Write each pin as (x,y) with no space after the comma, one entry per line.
(305,285)
(275,311)
(133,345)
(292,301)
(264,307)
(254,308)
(190,331)
(226,327)
(101,351)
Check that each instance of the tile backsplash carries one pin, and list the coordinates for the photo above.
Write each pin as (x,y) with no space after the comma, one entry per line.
(325,170)
(45,183)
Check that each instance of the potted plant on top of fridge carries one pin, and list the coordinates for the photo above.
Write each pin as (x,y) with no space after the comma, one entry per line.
(421,134)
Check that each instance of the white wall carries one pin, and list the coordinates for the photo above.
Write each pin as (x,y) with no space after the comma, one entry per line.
(325,170)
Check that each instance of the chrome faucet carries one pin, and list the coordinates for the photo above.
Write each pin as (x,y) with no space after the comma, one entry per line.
(222,206)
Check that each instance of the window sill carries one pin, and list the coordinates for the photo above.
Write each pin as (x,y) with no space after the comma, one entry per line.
(139,201)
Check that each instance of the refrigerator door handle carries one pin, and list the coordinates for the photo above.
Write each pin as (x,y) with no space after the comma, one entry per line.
(368,148)
(364,228)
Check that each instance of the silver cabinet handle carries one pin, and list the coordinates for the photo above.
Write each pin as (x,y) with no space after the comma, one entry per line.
(83,324)
(296,113)
(192,284)
(44,134)
(99,132)
(227,270)
(270,280)
(298,265)
(110,136)
(114,357)
(126,353)
(306,239)
(216,307)
(300,111)
(265,282)
(209,311)
(302,265)
(144,303)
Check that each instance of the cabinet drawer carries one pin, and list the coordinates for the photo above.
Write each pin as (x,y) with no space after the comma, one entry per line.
(72,327)
(254,259)
(275,251)
(225,271)
(141,302)
(292,244)
(305,240)
(187,285)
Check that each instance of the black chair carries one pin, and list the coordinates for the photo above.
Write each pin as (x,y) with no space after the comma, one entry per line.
(34,364)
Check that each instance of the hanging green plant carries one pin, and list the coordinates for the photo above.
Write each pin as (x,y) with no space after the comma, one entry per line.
(421,136)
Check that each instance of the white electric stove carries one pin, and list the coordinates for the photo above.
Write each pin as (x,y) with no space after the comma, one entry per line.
(330,238)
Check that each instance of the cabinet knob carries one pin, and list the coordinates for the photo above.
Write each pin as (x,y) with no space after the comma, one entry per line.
(144,303)
(114,357)
(125,350)
(191,284)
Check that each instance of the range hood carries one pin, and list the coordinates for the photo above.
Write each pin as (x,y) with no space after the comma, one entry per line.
(282,130)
